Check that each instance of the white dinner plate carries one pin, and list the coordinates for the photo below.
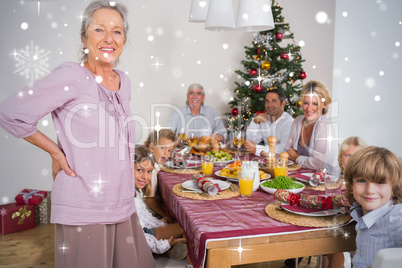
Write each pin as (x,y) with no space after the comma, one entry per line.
(190,164)
(264,162)
(308,175)
(191,185)
(328,212)
(223,163)
(218,173)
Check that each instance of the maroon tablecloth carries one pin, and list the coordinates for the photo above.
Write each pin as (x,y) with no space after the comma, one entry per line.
(235,217)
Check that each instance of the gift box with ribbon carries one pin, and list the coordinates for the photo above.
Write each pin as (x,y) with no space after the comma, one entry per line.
(28,196)
(42,211)
(16,217)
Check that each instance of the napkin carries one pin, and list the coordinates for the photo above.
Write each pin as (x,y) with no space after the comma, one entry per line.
(301,209)
(206,185)
(303,177)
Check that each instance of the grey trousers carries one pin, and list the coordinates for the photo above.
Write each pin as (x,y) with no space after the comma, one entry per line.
(117,245)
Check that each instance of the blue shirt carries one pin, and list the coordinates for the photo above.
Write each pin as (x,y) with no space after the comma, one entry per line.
(378,229)
(203,124)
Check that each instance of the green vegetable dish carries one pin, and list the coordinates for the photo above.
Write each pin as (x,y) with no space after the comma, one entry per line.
(282,182)
(220,155)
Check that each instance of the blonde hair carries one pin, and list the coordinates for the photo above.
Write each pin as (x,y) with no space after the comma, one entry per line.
(195,86)
(375,164)
(154,137)
(143,154)
(353,140)
(320,90)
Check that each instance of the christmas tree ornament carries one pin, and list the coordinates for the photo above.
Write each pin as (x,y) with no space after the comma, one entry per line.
(284,56)
(257,57)
(279,36)
(298,104)
(266,65)
(258,88)
(253,72)
(234,111)
(303,75)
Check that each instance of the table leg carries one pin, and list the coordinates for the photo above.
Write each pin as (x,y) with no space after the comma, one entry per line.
(219,258)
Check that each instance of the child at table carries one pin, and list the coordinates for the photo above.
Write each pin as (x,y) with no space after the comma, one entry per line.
(348,147)
(373,178)
(161,144)
(161,237)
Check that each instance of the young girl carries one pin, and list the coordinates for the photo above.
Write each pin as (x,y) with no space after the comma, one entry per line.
(161,144)
(373,178)
(348,147)
(160,236)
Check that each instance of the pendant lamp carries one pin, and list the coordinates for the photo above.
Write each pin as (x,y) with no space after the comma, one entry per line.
(198,10)
(254,16)
(220,16)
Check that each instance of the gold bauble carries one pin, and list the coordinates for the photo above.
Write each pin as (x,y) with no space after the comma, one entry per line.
(257,57)
(266,65)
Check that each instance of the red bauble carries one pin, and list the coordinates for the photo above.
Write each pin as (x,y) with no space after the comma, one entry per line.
(303,75)
(252,72)
(234,111)
(284,56)
(260,112)
(258,88)
(279,36)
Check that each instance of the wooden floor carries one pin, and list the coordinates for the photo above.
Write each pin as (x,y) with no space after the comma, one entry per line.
(35,248)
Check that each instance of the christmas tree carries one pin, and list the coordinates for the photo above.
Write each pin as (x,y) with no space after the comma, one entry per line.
(273,61)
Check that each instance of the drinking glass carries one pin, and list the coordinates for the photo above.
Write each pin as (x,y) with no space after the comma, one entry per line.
(207,164)
(191,141)
(182,136)
(280,168)
(333,185)
(246,186)
(238,140)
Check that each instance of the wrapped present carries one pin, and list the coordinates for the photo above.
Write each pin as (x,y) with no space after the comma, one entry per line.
(42,211)
(28,196)
(311,201)
(206,185)
(16,217)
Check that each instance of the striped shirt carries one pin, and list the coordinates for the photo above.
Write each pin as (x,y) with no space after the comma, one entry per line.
(378,229)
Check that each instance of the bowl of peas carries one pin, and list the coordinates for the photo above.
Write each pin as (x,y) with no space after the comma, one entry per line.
(283,183)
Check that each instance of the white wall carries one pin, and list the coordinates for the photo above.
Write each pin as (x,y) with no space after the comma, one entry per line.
(367,37)
(188,54)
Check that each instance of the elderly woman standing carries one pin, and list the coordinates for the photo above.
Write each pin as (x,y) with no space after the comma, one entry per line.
(93,207)
(312,142)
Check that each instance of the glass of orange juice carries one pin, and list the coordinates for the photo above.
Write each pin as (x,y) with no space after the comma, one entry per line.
(246,186)
(280,168)
(207,164)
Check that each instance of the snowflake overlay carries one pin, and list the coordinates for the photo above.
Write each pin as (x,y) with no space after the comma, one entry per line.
(32,62)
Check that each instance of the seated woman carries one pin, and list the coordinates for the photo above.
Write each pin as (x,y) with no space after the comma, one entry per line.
(313,141)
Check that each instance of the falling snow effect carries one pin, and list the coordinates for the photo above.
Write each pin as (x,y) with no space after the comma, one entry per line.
(370,82)
(32,62)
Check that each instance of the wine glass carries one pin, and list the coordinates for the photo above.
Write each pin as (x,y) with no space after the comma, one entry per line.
(191,141)
(182,136)
(238,140)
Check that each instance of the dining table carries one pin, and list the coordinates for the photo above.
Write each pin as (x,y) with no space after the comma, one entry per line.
(237,230)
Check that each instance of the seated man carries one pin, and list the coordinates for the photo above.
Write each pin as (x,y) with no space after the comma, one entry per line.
(197,118)
(274,123)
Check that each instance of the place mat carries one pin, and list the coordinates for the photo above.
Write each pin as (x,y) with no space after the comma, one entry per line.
(274,211)
(181,171)
(226,194)
(294,167)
